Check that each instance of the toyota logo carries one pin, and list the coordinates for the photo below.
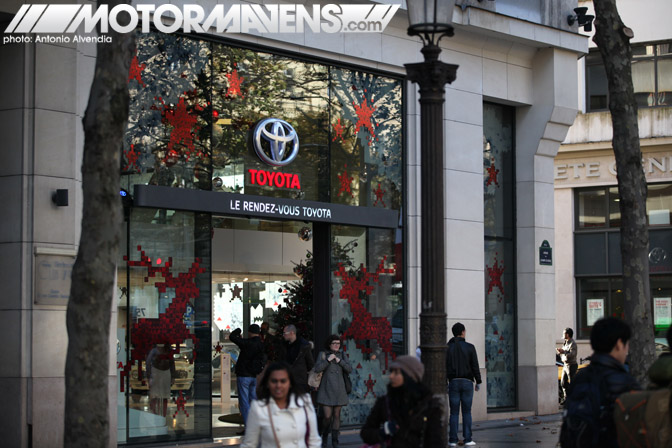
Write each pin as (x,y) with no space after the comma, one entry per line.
(276,142)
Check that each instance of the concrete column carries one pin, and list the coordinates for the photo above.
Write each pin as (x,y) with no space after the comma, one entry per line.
(540,130)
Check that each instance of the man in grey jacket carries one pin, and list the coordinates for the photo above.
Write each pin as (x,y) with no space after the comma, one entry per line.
(568,356)
(462,370)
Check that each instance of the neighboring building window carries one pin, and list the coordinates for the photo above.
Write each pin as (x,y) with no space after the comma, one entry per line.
(651,77)
(597,255)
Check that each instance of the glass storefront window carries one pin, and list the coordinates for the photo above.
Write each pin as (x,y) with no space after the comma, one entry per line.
(659,204)
(366,166)
(603,297)
(168,135)
(614,208)
(367,310)
(250,86)
(193,107)
(164,328)
(500,250)
(592,208)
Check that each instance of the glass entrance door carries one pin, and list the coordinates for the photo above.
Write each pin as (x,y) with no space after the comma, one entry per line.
(256,267)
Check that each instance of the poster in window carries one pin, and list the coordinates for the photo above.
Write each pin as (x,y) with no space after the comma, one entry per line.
(662,311)
(594,310)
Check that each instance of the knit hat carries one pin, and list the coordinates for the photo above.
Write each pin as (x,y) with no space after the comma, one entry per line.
(410,366)
(254,329)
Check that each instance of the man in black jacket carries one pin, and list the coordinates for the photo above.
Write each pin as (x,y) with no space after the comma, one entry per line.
(299,355)
(601,382)
(461,370)
(250,363)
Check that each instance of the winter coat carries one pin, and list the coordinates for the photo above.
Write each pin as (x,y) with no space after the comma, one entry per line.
(332,388)
(570,351)
(291,426)
(300,357)
(419,425)
(660,372)
(251,349)
(462,361)
(615,380)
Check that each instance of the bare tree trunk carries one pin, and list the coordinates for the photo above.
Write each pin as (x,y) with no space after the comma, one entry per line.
(91,294)
(613,39)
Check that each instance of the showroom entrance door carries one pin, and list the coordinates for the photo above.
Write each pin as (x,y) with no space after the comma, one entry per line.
(256,265)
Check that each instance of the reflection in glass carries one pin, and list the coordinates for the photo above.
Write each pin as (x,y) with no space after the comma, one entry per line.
(168,135)
(366,142)
(250,86)
(591,210)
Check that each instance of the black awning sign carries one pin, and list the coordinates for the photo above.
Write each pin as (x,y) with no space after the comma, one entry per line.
(545,254)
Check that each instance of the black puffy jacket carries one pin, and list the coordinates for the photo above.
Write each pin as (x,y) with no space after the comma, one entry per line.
(462,361)
(614,380)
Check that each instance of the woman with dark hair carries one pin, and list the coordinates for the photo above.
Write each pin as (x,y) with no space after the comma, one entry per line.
(331,395)
(282,416)
(409,415)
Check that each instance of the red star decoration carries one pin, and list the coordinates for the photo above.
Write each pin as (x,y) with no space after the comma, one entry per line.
(235,82)
(131,159)
(218,347)
(338,130)
(379,195)
(135,71)
(369,386)
(495,273)
(492,174)
(183,123)
(345,181)
(236,290)
(180,402)
(364,113)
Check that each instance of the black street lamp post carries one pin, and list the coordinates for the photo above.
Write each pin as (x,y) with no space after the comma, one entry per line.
(431,20)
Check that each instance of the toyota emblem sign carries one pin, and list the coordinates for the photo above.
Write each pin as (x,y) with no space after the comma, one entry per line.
(275,142)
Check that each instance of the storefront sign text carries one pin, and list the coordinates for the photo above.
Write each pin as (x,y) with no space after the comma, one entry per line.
(294,211)
(265,207)
(274,179)
(606,168)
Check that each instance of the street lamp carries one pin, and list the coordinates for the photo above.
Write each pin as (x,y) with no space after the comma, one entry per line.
(431,20)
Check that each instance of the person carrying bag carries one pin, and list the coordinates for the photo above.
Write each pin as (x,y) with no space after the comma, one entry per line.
(332,394)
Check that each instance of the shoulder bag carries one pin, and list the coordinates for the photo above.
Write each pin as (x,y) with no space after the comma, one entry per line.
(315,378)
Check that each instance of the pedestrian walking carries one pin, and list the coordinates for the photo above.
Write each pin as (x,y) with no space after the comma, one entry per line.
(282,416)
(250,363)
(408,415)
(568,357)
(332,394)
(298,355)
(461,370)
(588,416)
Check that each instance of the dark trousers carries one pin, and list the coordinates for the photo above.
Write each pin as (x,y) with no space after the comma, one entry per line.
(568,374)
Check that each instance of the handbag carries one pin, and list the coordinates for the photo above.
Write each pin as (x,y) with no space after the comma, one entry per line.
(314,379)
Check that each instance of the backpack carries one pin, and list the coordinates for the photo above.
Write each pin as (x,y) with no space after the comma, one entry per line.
(643,419)
(583,413)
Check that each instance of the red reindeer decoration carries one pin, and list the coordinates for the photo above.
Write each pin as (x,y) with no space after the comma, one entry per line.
(169,327)
(364,327)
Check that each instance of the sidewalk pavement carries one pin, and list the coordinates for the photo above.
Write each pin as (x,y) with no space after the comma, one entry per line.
(524,432)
